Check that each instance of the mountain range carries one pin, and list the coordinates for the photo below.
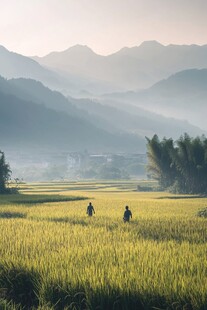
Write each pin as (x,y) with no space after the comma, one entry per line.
(130,68)
(80,72)
(32,100)
(13,65)
(27,122)
(182,95)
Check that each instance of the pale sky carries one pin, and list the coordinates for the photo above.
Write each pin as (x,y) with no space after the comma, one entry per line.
(37,27)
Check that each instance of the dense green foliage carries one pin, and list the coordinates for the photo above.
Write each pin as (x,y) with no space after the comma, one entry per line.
(181,166)
(5,173)
(203,212)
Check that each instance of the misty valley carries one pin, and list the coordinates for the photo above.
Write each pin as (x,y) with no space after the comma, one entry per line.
(70,103)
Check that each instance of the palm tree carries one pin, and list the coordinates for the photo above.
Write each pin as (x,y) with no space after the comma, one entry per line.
(159,161)
(182,168)
(190,160)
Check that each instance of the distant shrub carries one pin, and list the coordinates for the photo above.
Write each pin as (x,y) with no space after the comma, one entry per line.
(8,191)
(9,215)
(203,212)
(141,188)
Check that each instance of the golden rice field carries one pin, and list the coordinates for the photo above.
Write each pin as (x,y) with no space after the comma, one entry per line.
(52,256)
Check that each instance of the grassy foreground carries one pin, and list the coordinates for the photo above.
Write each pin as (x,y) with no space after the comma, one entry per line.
(52,256)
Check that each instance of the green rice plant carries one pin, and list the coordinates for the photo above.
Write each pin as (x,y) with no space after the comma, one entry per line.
(5,305)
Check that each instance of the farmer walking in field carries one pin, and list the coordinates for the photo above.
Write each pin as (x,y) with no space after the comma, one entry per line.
(127,215)
(90,210)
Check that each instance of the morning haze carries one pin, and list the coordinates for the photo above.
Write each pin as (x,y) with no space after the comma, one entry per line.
(106,76)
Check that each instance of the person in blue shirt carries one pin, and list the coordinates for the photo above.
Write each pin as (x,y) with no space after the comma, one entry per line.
(90,210)
(127,215)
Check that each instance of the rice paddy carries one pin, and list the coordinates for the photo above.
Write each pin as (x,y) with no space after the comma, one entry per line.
(53,256)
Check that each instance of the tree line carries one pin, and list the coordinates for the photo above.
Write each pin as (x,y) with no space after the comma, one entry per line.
(179,166)
(5,173)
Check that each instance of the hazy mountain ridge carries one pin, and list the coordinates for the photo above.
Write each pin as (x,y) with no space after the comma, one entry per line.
(135,120)
(133,68)
(109,118)
(25,123)
(13,65)
(182,95)
(81,60)
(79,71)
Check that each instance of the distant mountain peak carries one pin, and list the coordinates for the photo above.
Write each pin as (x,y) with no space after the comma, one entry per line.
(78,48)
(145,48)
(151,44)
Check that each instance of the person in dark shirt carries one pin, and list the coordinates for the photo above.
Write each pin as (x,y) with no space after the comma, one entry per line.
(127,215)
(90,210)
